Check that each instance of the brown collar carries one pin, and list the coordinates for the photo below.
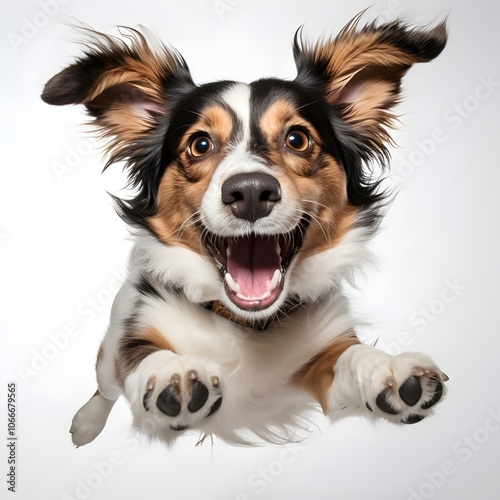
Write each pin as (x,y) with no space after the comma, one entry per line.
(219,308)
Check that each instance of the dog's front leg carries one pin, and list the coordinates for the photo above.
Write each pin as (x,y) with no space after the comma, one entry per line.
(402,388)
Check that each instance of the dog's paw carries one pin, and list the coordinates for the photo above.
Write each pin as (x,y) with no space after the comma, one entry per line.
(177,392)
(191,394)
(405,388)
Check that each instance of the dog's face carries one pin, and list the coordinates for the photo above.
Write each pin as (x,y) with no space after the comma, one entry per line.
(255,178)
(253,181)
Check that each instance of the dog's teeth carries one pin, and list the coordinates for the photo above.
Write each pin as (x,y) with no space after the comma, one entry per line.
(265,295)
(273,283)
(232,284)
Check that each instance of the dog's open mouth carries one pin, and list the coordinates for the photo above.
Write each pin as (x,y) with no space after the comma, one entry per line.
(253,267)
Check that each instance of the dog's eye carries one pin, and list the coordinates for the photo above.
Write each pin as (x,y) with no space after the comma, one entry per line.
(297,140)
(200,145)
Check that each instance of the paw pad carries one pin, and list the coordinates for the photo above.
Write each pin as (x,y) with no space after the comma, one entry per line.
(413,419)
(384,404)
(170,399)
(411,391)
(424,387)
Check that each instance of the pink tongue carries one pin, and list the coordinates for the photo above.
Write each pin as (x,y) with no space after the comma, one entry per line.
(252,262)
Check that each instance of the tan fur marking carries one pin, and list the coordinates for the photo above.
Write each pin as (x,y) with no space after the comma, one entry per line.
(217,121)
(328,229)
(179,198)
(154,336)
(317,375)
(275,123)
(280,116)
(353,52)
(134,347)
(146,69)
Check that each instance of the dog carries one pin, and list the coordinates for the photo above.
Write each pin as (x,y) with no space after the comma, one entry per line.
(253,205)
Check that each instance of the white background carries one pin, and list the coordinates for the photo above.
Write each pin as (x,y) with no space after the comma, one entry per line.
(62,246)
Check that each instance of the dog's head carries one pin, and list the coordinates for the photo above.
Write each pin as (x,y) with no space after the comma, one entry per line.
(257,178)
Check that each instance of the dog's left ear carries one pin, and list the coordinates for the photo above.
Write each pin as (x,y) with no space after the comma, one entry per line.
(127,84)
(360,73)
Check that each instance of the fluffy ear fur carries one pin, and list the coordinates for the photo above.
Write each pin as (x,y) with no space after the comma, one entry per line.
(124,84)
(130,86)
(360,73)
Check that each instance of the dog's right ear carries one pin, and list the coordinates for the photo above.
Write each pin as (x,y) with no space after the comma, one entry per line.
(125,84)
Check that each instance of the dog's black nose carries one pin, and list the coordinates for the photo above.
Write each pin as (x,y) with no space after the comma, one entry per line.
(252,195)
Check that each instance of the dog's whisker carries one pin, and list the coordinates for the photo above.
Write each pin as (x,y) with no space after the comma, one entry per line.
(321,223)
(190,221)
(308,104)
